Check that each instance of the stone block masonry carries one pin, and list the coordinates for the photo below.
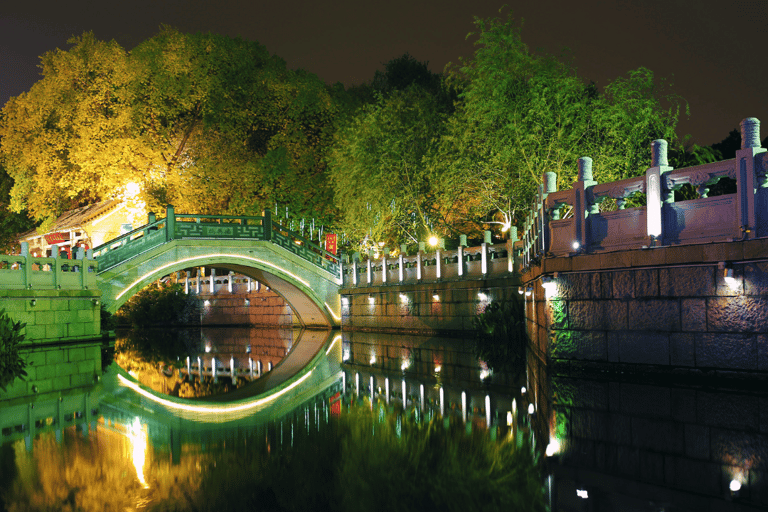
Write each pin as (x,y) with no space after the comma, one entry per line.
(437,307)
(237,300)
(54,315)
(703,315)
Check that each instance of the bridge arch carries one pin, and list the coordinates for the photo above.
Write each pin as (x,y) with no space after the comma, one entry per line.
(312,292)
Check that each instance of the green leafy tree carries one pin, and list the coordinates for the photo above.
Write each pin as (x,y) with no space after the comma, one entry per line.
(208,123)
(382,187)
(11,223)
(520,114)
(11,363)
(158,304)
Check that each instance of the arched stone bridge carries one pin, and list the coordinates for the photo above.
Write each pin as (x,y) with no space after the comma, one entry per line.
(303,273)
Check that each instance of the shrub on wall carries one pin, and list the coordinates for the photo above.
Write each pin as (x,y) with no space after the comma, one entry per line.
(11,363)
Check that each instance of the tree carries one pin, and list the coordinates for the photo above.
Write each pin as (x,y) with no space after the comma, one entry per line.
(520,114)
(11,223)
(205,122)
(384,190)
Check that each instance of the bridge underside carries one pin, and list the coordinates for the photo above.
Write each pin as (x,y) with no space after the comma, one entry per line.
(311,292)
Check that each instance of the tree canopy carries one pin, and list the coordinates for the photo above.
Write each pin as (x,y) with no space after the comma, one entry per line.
(208,123)
(217,125)
(476,164)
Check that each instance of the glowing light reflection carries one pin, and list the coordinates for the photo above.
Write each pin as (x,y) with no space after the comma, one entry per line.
(138,438)
(212,409)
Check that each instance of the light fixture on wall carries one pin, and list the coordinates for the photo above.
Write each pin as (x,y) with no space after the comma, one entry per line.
(370,298)
(550,285)
(484,295)
(403,297)
(728,275)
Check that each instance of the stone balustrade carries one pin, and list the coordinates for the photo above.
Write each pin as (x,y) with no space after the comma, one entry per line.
(662,221)
(463,263)
(25,272)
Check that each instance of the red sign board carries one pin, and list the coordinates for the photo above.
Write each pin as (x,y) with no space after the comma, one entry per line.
(56,238)
(330,243)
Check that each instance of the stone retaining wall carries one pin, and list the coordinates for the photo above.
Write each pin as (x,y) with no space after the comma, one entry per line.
(425,307)
(54,315)
(679,315)
(262,307)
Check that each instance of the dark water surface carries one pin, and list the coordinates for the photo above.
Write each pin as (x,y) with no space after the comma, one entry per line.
(607,441)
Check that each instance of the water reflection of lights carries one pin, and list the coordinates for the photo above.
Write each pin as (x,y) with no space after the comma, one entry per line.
(553,447)
(222,411)
(138,438)
(337,338)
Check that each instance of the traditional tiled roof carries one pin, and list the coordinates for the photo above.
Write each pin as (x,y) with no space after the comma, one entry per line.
(77,217)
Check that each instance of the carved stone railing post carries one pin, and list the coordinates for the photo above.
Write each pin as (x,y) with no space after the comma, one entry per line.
(267,224)
(460,253)
(657,193)
(511,249)
(355,259)
(401,262)
(384,265)
(369,269)
(583,204)
(419,259)
(170,223)
(484,252)
(747,182)
(548,186)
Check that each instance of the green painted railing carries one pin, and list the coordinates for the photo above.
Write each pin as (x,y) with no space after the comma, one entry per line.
(207,227)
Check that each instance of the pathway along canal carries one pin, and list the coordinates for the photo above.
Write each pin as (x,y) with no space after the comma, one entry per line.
(607,441)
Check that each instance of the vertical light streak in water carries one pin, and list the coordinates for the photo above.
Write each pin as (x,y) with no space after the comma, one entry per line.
(138,438)
(372,392)
(405,396)
(442,401)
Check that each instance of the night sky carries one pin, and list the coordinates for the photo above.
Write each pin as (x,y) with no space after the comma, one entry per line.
(714,52)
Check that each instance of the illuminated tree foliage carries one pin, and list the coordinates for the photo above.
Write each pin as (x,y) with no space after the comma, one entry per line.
(407,165)
(383,188)
(521,114)
(205,122)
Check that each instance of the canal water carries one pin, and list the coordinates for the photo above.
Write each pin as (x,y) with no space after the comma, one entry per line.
(602,440)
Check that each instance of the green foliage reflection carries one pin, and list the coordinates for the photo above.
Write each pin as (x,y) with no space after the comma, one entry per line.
(500,337)
(11,363)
